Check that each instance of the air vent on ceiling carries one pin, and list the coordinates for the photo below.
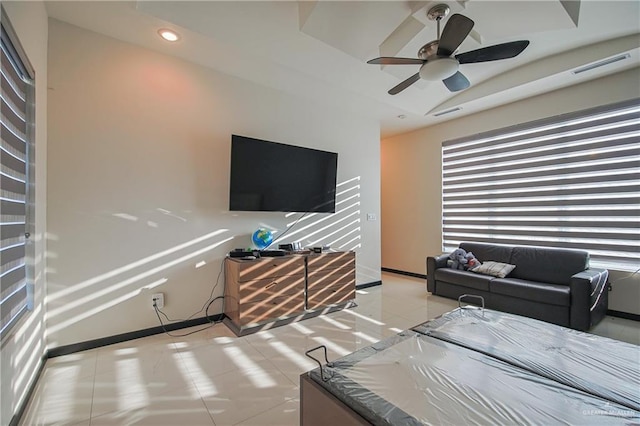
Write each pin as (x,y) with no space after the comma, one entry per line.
(601,63)
(448,111)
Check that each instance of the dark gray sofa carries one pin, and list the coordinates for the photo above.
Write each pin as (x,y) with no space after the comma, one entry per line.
(549,284)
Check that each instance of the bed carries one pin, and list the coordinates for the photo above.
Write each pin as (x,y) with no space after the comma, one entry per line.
(477,366)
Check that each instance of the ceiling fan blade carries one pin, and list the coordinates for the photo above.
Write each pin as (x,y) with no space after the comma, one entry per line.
(493,53)
(455,31)
(408,82)
(456,82)
(396,61)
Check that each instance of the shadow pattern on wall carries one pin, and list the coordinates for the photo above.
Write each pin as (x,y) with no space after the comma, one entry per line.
(69,305)
(340,230)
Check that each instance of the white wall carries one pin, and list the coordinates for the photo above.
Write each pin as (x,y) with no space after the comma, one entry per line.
(22,350)
(138,181)
(411,217)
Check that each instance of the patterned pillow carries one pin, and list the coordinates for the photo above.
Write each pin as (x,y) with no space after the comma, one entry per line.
(495,269)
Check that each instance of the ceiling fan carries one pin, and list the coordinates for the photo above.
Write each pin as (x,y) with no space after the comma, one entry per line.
(436,57)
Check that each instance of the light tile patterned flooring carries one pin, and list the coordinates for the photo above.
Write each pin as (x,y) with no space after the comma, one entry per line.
(215,378)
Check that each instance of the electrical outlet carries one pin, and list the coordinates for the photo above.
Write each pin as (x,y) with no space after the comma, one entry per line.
(158,298)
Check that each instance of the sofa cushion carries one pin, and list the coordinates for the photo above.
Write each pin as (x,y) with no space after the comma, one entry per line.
(551,294)
(484,252)
(548,265)
(463,278)
(495,269)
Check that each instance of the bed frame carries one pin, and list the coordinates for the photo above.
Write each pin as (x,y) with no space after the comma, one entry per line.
(468,346)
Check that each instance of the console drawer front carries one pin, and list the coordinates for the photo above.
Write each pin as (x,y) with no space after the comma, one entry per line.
(330,295)
(327,261)
(321,278)
(256,290)
(270,309)
(266,268)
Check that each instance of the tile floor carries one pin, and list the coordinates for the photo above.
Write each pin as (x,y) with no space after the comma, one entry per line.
(215,378)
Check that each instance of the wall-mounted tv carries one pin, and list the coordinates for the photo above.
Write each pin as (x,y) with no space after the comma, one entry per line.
(271,176)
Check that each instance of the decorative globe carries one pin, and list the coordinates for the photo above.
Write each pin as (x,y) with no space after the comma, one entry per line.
(262,238)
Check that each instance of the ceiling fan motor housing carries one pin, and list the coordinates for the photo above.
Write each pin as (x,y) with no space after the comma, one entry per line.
(429,50)
(439,69)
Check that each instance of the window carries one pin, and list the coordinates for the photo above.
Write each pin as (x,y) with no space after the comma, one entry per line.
(16,177)
(569,181)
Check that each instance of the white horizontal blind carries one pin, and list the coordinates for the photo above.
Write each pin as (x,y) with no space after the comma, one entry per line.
(571,181)
(14,181)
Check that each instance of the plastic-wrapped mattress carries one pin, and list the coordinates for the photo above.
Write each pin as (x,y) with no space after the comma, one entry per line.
(412,379)
(597,365)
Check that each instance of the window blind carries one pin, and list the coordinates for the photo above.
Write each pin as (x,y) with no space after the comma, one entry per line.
(14,180)
(570,181)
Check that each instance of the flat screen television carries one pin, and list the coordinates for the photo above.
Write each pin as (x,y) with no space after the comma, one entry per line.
(271,176)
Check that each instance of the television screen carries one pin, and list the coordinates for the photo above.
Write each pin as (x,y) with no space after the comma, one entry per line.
(270,176)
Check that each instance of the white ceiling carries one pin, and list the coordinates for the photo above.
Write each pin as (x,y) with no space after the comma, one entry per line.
(318,49)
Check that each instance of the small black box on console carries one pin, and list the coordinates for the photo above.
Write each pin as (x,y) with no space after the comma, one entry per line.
(244,253)
(291,246)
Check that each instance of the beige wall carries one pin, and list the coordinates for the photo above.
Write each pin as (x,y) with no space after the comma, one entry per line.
(138,181)
(22,350)
(411,217)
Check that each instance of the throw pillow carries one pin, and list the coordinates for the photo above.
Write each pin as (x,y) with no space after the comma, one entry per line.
(495,269)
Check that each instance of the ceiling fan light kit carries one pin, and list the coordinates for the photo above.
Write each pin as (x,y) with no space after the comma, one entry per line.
(437,58)
(439,69)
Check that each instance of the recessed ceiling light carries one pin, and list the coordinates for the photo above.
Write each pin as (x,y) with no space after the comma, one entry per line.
(168,35)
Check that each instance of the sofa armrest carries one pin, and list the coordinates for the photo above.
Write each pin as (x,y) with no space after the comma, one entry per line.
(433,263)
(587,288)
